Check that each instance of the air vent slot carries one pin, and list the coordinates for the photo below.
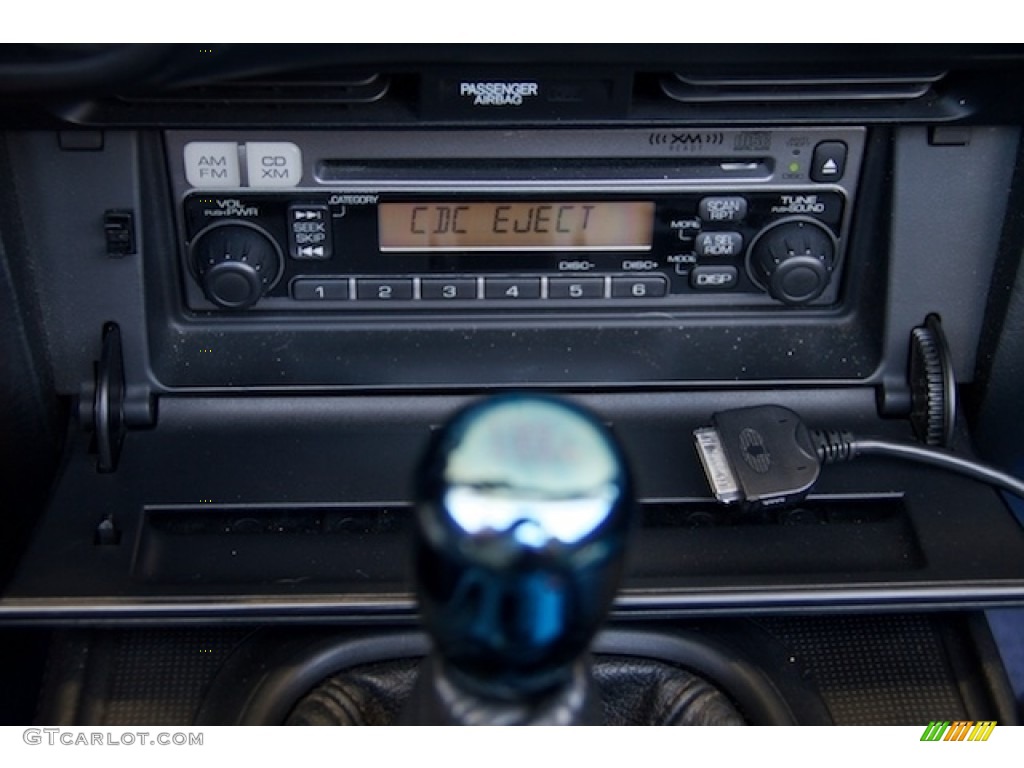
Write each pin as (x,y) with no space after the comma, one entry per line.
(784,88)
(357,88)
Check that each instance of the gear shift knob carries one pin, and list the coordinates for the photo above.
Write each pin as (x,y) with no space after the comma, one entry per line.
(524,503)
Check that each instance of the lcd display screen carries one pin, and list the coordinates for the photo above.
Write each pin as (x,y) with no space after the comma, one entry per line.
(516,226)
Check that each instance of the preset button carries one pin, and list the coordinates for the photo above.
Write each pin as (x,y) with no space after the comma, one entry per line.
(576,288)
(311,289)
(398,289)
(448,289)
(651,287)
(512,288)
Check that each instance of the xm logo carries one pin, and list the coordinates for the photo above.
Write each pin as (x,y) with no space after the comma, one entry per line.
(959,730)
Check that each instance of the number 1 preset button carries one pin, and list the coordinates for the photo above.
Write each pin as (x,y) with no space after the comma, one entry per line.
(310,289)
(512,287)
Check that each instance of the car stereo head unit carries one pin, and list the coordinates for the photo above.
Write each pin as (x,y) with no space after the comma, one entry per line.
(493,220)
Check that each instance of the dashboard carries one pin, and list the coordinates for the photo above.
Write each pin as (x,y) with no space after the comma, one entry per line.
(242,287)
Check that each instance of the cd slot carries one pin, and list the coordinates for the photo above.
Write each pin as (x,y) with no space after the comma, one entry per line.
(544,171)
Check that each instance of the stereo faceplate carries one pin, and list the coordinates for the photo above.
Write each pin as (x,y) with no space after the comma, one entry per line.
(482,221)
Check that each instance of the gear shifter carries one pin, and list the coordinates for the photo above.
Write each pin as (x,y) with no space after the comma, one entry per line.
(524,503)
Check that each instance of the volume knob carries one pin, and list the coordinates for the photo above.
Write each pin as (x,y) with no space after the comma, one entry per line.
(793,260)
(236,263)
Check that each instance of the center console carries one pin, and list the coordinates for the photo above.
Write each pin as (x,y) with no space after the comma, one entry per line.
(261,323)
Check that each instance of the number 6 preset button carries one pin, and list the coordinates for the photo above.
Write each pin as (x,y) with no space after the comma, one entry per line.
(640,287)
(384,290)
(310,289)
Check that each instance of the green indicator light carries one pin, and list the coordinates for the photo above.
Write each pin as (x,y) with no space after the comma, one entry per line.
(794,167)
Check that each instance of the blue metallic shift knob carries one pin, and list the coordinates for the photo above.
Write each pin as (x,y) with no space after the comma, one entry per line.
(524,507)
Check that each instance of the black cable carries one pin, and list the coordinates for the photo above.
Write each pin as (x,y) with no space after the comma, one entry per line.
(937,457)
(765,456)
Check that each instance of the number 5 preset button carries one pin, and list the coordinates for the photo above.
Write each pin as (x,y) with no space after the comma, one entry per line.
(576,288)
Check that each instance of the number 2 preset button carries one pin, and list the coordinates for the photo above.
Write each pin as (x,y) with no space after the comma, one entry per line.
(310,289)
(397,289)
(512,287)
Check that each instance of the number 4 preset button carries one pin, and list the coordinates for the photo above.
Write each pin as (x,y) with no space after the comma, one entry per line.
(512,287)
(310,289)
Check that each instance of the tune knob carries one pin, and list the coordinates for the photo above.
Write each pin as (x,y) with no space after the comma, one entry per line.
(793,260)
(236,263)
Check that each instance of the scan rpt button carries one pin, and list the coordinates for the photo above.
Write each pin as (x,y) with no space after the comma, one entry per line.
(719,209)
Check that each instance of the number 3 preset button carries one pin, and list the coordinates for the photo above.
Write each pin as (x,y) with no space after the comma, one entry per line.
(450,288)
(311,289)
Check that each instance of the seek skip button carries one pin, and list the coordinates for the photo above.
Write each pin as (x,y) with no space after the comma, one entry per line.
(718,209)
(309,232)
(719,244)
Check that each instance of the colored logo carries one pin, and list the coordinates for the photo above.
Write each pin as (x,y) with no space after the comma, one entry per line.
(959,730)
